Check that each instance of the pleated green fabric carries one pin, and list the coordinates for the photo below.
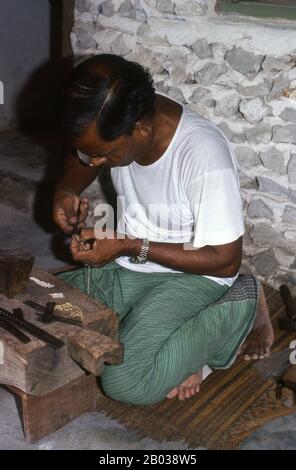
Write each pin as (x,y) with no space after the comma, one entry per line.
(171,325)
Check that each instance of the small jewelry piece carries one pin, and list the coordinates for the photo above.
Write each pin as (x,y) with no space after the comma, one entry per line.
(41,283)
(143,255)
(69,309)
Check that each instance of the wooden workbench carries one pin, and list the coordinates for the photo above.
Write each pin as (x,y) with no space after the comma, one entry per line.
(56,385)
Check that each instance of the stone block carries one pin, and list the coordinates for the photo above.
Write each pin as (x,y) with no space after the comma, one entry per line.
(258,209)
(273,159)
(244,62)
(202,49)
(203,96)
(284,134)
(274,65)
(227,106)
(252,91)
(267,185)
(288,114)
(166,6)
(260,134)
(289,215)
(254,110)
(235,137)
(209,73)
(279,85)
(265,263)
(292,170)
(247,158)
(85,40)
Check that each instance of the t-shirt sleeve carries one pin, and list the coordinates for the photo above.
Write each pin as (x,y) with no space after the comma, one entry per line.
(216,205)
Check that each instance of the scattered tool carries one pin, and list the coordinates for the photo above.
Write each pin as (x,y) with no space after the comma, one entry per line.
(288,322)
(31,328)
(48,315)
(14,331)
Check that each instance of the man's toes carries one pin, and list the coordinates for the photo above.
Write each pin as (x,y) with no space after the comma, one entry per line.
(173,393)
(181,394)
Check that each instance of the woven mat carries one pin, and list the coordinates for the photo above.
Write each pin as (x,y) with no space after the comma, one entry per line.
(230,406)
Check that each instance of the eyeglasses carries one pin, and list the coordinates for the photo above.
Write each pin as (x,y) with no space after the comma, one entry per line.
(86,159)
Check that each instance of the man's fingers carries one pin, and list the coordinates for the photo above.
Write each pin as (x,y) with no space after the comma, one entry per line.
(83,207)
(86,234)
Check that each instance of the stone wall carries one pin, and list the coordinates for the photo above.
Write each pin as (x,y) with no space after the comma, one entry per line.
(238,72)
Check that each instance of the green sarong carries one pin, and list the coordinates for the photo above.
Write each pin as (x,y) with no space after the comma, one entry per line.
(171,325)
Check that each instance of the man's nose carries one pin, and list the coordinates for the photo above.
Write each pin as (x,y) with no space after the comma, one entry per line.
(98,161)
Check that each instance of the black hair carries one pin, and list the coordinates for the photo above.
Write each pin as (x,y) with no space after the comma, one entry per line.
(110,90)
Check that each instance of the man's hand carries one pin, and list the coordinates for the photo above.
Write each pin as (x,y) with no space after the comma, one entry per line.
(99,251)
(69,212)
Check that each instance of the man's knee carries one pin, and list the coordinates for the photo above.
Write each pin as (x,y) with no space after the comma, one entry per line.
(122,386)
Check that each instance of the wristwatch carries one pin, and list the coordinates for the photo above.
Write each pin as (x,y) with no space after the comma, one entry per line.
(143,255)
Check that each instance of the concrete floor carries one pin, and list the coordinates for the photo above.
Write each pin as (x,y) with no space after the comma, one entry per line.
(23,164)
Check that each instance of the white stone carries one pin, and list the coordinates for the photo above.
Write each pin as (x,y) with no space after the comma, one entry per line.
(247,157)
(273,64)
(177,32)
(254,110)
(258,209)
(119,23)
(165,6)
(285,134)
(233,136)
(202,96)
(244,61)
(252,91)
(292,170)
(265,263)
(289,215)
(119,46)
(280,83)
(273,159)
(202,48)
(227,106)
(260,134)
(289,114)
(144,9)
(188,8)
(209,73)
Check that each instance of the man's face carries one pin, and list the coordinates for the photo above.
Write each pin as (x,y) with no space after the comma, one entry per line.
(119,152)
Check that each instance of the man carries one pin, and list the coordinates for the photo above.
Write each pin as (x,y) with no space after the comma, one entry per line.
(170,271)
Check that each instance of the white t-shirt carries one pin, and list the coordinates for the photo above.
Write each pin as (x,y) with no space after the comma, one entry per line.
(189,195)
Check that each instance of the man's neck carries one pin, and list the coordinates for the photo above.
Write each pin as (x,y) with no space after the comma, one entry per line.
(164,125)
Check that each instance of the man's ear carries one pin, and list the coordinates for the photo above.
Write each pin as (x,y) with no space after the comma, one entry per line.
(144,127)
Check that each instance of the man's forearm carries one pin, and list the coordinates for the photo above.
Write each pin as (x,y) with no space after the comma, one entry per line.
(76,175)
(222,261)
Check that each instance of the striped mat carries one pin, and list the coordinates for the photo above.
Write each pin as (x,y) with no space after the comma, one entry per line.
(231,405)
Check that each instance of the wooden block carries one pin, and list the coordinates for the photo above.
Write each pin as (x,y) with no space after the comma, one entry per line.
(289,378)
(44,415)
(91,349)
(15,268)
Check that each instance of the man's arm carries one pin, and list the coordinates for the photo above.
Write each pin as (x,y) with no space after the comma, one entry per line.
(76,175)
(219,260)
(69,212)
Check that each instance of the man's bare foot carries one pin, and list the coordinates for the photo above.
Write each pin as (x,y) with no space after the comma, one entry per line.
(258,343)
(188,388)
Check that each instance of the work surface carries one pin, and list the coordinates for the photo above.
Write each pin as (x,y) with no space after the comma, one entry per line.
(37,368)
